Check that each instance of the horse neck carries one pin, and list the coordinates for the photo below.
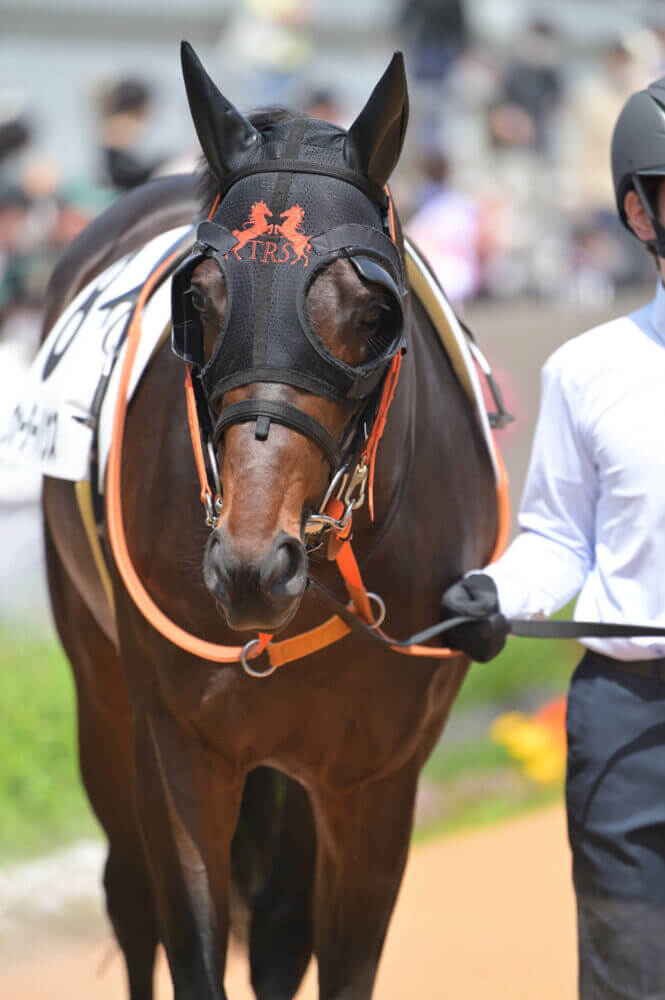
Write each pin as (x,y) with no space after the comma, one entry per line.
(452,470)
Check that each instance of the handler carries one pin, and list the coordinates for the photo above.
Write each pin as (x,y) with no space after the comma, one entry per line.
(593,522)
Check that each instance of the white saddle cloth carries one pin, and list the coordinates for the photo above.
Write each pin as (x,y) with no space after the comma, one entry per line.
(51,426)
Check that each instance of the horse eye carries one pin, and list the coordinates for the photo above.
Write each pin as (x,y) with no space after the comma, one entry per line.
(373,315)
(378,327)
(197,298)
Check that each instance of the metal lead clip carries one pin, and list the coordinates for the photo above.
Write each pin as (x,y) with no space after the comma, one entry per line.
(213,510)
(358,481)
(354,497)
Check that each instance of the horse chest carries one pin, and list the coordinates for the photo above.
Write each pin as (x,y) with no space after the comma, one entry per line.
(340,723)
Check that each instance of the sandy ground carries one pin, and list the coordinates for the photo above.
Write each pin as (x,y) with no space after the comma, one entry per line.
(485,915)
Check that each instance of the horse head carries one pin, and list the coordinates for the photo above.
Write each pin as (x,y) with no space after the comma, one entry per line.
(256,563)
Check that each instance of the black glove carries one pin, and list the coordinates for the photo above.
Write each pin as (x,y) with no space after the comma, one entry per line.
(475,597)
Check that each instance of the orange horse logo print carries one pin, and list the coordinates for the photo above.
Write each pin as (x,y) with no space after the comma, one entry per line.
(289,244)
(256,225)
(290,229)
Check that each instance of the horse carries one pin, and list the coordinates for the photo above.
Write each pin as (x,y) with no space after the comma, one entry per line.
(289,799)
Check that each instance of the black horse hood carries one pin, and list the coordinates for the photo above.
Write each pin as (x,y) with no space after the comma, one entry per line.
(275,228)
(294,195)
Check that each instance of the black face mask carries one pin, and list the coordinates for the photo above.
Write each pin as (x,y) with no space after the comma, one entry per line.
(280,221)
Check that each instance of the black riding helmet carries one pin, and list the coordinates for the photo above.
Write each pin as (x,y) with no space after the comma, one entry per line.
(638,154)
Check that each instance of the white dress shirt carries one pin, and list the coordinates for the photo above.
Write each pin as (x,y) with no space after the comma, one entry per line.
(593,509)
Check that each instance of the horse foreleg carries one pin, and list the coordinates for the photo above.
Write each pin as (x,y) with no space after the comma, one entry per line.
(280,943)
(187,817)
(363,842)
(105,755)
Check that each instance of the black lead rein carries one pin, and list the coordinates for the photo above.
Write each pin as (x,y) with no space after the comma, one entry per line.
(529,627)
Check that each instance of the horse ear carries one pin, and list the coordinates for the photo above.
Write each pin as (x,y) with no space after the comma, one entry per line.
(374,142)
(225,135)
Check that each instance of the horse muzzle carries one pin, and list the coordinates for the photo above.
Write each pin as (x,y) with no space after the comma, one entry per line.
(261,594)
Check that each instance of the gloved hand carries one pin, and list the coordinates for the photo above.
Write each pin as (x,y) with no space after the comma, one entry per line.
(475,596)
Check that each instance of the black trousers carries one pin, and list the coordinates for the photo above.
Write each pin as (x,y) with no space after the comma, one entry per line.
(615,797)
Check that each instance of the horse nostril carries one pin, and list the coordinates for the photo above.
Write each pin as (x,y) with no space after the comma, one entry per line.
(215,572)
(285,569)
(281,567)
(256,593)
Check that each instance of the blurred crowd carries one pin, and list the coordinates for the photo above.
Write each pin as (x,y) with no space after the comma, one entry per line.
(41,211)
(505,182)
(509,187)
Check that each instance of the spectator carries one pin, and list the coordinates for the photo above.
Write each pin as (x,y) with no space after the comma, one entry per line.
(439,32)
(324,105)
(593,109)
(124,109)
(15,129)
(267,44)
(604,251)
(532,83)
(446,228)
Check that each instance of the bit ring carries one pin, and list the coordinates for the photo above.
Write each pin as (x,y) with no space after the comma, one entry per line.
(381,604)
(245,662)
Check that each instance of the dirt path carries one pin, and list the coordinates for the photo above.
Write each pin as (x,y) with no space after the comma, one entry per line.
(486,915)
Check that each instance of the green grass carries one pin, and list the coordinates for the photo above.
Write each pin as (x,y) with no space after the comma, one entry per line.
(493,808)
(473,784)
(461,759)
(42,802)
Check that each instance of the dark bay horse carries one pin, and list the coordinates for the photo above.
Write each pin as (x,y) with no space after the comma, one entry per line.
(299,788)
